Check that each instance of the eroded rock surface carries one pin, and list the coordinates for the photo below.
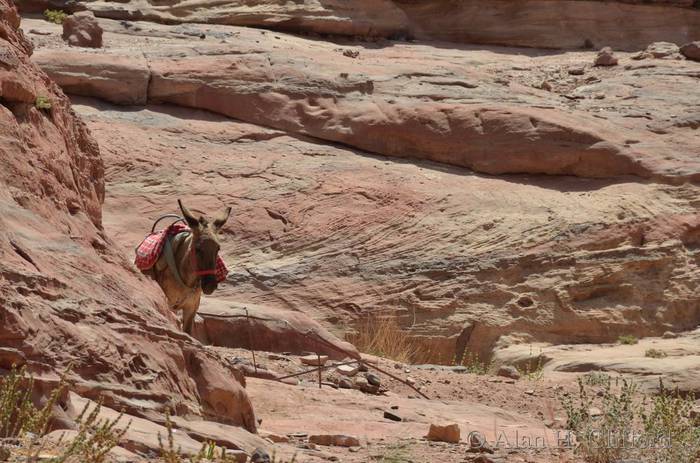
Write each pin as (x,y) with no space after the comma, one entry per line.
(68,295)
(471,109)
(339,234)
(623,24)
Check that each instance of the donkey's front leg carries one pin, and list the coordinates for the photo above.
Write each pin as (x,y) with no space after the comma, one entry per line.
(188,319)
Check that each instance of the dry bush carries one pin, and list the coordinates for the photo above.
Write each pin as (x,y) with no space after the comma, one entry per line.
(631,426)
(22,422)
(383,337)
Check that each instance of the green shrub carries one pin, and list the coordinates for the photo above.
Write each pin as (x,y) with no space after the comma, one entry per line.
(596,378)
(655,354)
(42,102)
(627,339)
(474,364)
(55,16)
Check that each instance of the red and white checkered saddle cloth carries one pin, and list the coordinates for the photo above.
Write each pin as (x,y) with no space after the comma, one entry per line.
(149,250)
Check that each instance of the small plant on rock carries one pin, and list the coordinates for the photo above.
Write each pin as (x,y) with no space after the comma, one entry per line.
(55,16)
(655,354)
(533,371)
(615,421)
(18,415)
(42,102)
(474,364)
(596,378)
(95,439)
(628,339)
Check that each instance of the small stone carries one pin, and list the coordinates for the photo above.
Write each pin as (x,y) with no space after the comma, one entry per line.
(605,57)
(337,440)
(360,381)
(362,384)
(314,360)
(444,433)
(691,50)
(373,379)
(477,444)
(260,456)
(347,370)
(577,71)
(594,412)
(392,416)
(669,335)
(530,392)
(345,383)
(509,371)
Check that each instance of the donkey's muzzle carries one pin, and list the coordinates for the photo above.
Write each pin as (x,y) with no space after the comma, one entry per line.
(209,284)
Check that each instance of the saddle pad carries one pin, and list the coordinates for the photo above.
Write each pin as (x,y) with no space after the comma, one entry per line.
(148,252)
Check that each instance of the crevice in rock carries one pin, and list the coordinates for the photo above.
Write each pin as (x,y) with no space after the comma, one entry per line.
(23,254)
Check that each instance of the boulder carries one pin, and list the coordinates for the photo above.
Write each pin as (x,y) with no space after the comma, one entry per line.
(663,50)
(508,371)
(270,330)
(691,50)
(114,78)
(444,433)
(605,57)
(82,30)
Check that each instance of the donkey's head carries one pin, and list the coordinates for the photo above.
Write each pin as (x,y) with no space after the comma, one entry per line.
(205,243)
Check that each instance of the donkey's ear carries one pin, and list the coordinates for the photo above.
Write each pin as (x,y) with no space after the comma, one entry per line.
(191,220)
(221,219)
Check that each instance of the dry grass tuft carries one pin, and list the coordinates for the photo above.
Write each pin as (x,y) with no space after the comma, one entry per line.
(383,337)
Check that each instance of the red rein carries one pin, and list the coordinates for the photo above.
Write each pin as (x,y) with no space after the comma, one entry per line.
(195,266)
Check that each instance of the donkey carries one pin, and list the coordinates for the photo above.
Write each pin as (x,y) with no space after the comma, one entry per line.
(193,256)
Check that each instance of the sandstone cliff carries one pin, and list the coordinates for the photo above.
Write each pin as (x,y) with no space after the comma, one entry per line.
(67,296)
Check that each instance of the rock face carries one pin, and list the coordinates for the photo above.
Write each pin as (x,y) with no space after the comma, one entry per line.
(678,364)
(267,330)
(467,262)
(81,30)
(461,115)
(626,25)
(68,296)
(117,79)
